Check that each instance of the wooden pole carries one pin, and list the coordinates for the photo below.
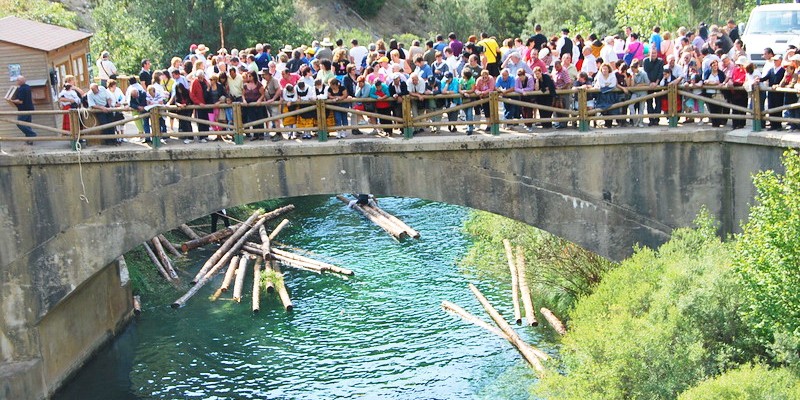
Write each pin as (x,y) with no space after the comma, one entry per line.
(278,229)
(157,263)
(221,34)
(210,238)
(411,232)
(137,305)
(256,285)
(466,316)
(229,274)
(514,281)
(168,246)
(554,321)
(265,243)
(525,291)
(239,283)
(213,270)
(281,287)
(524,348)
(165,261)
(188,231)
(323,265)
(226,247)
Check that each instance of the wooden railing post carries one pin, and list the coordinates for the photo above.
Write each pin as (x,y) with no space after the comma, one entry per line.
(757,111)
(494,113)
(322,121)
(238,134)
(74,128)
(155,128)
(583,109)
(672,101)
(408,130)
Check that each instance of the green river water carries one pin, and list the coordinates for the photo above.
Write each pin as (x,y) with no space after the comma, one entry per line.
(381,334)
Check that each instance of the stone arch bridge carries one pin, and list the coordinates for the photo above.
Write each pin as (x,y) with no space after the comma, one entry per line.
(61,294)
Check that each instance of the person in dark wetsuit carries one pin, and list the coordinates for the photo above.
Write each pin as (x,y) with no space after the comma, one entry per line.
(363,199)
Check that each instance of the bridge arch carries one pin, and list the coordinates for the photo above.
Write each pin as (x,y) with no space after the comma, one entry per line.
(603,192)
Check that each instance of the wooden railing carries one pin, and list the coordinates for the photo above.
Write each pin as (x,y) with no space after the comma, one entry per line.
(578,112)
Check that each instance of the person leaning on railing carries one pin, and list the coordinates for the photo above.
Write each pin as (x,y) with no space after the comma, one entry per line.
(505,85)
(790,97)
(544,84)
(738,97)
(100,100)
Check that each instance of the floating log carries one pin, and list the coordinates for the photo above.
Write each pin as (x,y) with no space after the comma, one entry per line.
(384,221)
(137,305)
(514,281)
(297,264)
(210,238)
(278,229)
(466,316)
(211,272)
(554,321)
(226,247)
(169,246)
(525,291)
(524,348)
(229,274)
(381,221)
(323,265)
(238,285)
(188,231)
(256,285)
(281,287)
(394,220)
(265,244)
(155,261)
(165,261)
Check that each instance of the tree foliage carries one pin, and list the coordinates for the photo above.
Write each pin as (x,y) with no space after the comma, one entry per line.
(556,14)
(660,322)
(750,382)
(558,272)
(464,17)
(768,254)
(53,13)
(643,16)
(124,34)
(508,17)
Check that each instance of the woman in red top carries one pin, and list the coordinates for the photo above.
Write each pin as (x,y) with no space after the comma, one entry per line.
(197,92)
(738,97)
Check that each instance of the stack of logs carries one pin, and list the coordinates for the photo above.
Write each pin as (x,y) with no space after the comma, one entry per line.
(237,251)
(388,222)
(519,288)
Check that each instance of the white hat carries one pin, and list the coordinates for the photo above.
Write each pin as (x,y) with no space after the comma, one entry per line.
(201,48)
(544,52)
(287,49)
(742,60)
(326,42)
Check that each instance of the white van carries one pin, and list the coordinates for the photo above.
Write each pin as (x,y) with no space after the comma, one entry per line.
(773,25)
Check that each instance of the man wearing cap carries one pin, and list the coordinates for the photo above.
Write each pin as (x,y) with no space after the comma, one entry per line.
(773,78)
(189,56)
(105,68)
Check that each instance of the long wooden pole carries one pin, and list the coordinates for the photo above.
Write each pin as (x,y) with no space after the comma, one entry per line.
(229,274)
(210,238)
(466,316)
(165,261)
(514,281)
(157,263)
(391,229)
(323,265)
(554,321)
(266,247)
(168,246)
(278,229)
(524,348)
(226,247)
(281,287)
(397,221)
(188,231)
(525,291)
(257,285)
(239,283)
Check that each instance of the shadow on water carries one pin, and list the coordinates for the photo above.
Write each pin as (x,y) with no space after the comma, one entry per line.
(380,334)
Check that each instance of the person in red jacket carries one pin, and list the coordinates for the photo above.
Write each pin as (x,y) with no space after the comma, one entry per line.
(199,93)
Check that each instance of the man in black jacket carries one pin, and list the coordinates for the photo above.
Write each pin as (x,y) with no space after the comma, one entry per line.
(24,101)
(544,83)
(397,90)
(654,68)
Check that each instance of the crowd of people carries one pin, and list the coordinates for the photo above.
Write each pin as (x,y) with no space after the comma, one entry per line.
(704,60)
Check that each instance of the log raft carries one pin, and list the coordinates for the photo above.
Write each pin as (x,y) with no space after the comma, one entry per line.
(226,232)
(377,219)
(225,248)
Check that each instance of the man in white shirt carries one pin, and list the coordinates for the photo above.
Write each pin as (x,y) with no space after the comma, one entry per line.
(357,54)
(589,62)
(105,68)
(99,99)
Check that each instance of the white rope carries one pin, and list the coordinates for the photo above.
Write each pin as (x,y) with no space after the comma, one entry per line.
(83,114)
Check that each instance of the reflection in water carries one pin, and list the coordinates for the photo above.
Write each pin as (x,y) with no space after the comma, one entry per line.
(380,334)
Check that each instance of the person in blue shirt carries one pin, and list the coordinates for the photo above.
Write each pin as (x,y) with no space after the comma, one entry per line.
(655,40)
(450,85)
(24,101)
(505,84)
(423,69)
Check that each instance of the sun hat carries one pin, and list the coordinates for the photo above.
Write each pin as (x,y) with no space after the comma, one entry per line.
(742,60)
(326,42)
(201,48)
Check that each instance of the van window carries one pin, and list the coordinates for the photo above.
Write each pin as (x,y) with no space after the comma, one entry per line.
(765,22)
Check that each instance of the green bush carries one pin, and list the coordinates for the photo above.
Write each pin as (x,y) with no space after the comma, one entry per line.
(751,382)
(657,324)
(768,256)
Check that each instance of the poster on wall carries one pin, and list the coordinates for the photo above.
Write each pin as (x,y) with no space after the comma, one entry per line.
(14,70)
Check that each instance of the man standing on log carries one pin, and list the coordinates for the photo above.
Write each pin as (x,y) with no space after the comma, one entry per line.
(364,199)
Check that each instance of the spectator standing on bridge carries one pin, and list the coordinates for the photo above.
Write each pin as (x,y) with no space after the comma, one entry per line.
(524,85)
(198,94)
(505,84)
(654,68)
(491,54)
(145,76)
(773,77)
(546,91)
(181,98)
(106,69)
(449,85)
(638,78)
(484,87)
(24,101)
(714,77)
(563,81)
(100,100)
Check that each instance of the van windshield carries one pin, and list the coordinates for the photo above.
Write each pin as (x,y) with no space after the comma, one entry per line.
(765,22)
